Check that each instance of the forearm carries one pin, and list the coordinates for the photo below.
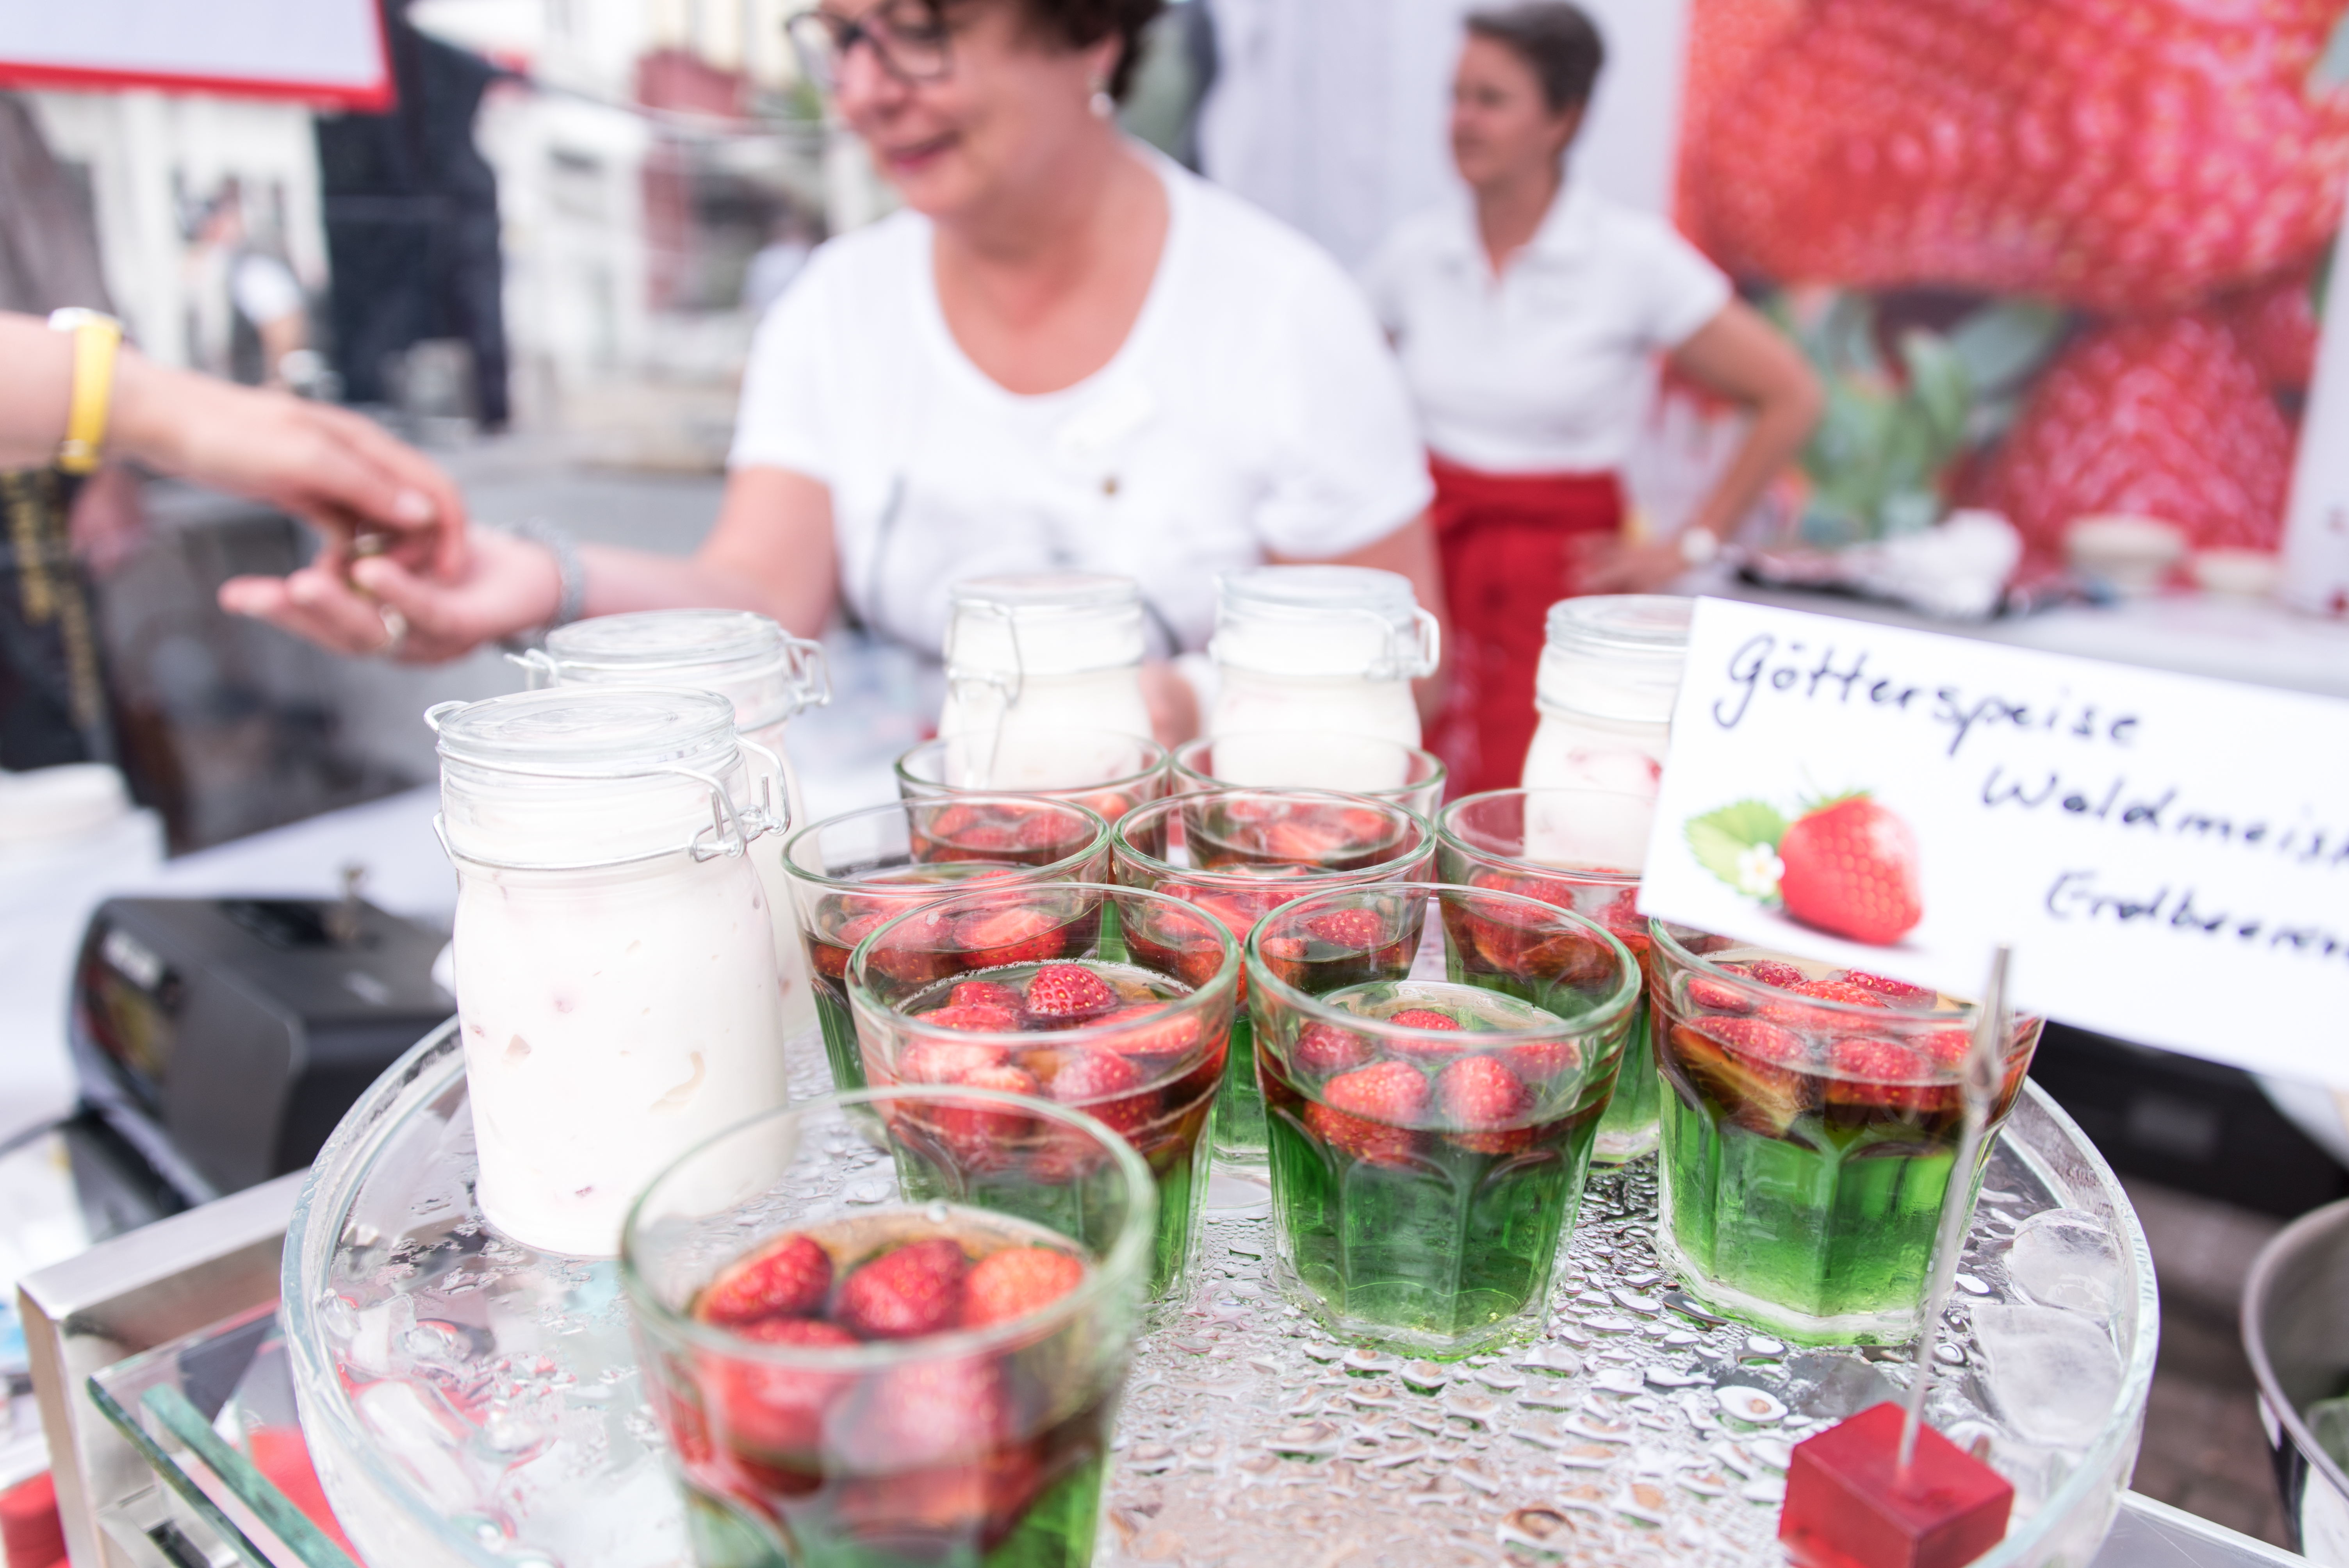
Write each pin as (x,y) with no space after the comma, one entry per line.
(1780,427)
(35,391)
(624,580)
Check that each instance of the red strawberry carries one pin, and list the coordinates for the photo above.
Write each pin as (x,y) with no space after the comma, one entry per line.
(1770,972)
(1851,870)
(1479,1094)
(2167,417)
(1304,840)
(1717,996)
(1524,885)
(1526,943)
(1067,993)
(1394,1093)
(788,1277)
(1543,1058)
(923,1413)
(1105,1086)
(1016,1281)
(1424,1019)
(1891,989)
(1355,930)
(1793,1015)
(1324,1048)
(772,1409)
(983,1137)
(911,955)
(2121,158)
(1152,1044)
(1108,802)
(1362,1139)
(947,1061)
(1751,1065)
(990,937)
(832,957)
(1501,1140)
(904,1293)
(1885,1073)
(1947,1048)
(973,1018)
(985,993)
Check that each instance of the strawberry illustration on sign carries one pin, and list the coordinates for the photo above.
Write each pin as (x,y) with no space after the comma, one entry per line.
(1845,866)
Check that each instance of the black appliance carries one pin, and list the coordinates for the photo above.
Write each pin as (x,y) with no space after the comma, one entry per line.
(217,1041)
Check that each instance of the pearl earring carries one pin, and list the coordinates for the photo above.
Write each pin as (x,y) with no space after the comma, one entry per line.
(1103,104)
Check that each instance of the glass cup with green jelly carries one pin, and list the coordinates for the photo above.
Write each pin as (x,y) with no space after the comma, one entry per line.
(1240,854)
(1314,759)
(1431,1109)
(1811,1120)
(869,1362)
(1108,771)
(1580,850)
(852,873)
(1109,1000)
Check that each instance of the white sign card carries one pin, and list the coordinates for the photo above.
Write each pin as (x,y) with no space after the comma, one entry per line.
(326,51)
(2168,855)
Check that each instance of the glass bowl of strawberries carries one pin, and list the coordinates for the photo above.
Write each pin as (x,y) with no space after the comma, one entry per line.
(899,1368)
(1240,854)
(1432,1089)
(853,873)
(1811,1118)
(1107,770)
(1112,1001)
(1580,850)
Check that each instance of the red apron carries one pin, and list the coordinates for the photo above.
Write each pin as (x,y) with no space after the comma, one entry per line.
(1502,539)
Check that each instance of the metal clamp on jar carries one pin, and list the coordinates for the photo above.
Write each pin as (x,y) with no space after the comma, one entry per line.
(770,676)
(614,958)
(1037,664)
(1318,648)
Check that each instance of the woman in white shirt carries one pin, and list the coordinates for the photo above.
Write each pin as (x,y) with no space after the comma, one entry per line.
(1527,321)
(1064,353)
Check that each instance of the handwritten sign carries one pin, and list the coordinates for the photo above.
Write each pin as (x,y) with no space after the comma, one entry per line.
(2168,855)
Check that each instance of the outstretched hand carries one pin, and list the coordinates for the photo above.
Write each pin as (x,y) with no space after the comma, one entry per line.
(503,585)
(1602,563)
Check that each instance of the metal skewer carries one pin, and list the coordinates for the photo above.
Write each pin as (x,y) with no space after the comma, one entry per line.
(1978,1083)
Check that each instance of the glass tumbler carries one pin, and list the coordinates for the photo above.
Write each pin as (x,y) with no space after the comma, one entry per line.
(1430,1129)
(871,1360)
(1109,1000)
(1240,854)
(1370,765)
(852,873)
(1580,850)
(1811,1118)
(1108,770)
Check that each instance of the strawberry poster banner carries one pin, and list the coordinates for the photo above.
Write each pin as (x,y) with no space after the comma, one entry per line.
(2053,259)
(2168,855)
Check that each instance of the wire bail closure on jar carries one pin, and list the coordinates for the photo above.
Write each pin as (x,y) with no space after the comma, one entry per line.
(733,829)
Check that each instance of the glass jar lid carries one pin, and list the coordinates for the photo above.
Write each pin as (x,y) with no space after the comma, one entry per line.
(1342,621)
(1616,656)
(1049,622)
(768,673)
(589,732)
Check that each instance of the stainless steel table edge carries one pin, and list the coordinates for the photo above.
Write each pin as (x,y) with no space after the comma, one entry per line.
(2147,1534)
(125,1295)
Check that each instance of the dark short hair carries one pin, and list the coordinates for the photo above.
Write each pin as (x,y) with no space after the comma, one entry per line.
(1082,24)
(1555,39)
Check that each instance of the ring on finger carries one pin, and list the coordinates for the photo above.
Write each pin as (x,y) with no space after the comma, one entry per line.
(394,631)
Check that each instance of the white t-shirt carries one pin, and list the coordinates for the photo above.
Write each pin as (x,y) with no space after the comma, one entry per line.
(1252,408)
(1542,371)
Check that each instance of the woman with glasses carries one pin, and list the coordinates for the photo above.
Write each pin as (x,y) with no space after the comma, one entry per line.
(1064,353)
(1527,318)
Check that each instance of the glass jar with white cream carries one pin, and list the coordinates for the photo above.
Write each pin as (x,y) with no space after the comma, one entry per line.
(614,956)
(1609,674)
(766,673)
(1031,657)
(1299,649)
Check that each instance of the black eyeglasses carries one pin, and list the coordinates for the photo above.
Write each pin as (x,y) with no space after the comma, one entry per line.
(908,37)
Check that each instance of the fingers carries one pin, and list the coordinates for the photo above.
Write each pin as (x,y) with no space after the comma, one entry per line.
(311,605)
(414,493)
(431,610)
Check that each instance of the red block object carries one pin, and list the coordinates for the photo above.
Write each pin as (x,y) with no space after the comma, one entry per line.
(30,1531)
(1846,1507)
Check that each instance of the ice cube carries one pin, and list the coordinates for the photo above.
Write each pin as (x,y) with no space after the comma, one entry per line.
(2053,1375)
(2066,1258)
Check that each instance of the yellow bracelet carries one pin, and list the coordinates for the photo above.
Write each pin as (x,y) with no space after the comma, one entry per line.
(96,338)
